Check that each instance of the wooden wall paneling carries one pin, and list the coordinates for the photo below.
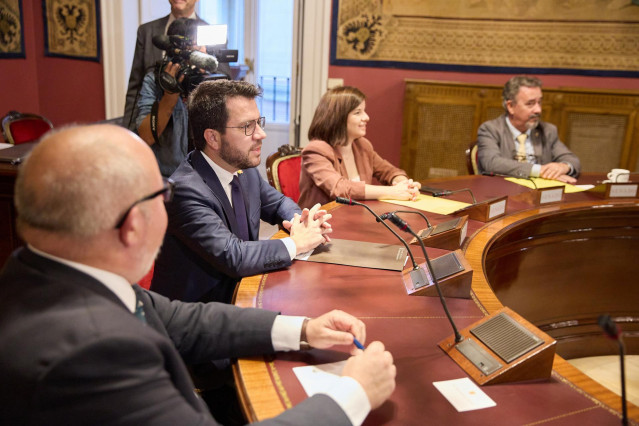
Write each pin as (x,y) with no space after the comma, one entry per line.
(600,140)
(442,118)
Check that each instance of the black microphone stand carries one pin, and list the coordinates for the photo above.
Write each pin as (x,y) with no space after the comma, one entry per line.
(417,274)
(401,224)
(612,330)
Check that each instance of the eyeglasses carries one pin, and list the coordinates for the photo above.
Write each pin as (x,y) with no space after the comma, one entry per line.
(166,192)
(250,126)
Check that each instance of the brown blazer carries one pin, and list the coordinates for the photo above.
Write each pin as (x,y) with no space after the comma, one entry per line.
(323,176)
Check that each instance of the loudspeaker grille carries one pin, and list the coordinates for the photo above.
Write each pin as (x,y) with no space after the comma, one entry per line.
(505,337)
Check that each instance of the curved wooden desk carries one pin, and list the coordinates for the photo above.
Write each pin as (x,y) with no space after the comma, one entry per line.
(411,327)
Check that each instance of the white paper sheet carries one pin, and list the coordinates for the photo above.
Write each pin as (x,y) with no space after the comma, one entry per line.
(319,378)
(464,394)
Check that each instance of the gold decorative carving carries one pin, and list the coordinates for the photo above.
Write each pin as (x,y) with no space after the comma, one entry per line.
(543,34)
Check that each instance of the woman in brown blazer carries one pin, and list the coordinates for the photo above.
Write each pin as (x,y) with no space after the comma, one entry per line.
(340,162)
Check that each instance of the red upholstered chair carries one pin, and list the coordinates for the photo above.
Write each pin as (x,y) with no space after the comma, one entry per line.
(145,282)
(471,159)
(19,128)
(283,171)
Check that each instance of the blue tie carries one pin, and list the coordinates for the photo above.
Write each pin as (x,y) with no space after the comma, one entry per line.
(139,309)
(240,209)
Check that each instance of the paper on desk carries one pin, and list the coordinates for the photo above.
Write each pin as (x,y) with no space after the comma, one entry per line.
(546,183)
(431,204)
(319,378)
(464,395)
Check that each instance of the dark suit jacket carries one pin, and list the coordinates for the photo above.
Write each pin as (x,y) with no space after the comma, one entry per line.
(496,149)
(144,59)
(72,354)
(202,259)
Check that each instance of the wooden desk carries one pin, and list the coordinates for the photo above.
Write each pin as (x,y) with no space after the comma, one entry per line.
(411,327)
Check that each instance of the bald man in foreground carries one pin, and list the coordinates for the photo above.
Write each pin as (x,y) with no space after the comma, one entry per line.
(82,345)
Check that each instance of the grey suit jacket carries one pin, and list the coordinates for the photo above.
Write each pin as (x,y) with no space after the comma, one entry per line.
(72,354)
(145,58)
(496,150)
(202,259)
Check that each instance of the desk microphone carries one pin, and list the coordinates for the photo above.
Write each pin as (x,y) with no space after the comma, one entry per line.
(612,330)
(518,177)
(401,224)
(415,212)
(436,192)
(417,274)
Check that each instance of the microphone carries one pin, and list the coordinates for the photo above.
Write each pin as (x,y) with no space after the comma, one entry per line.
(414,212)
(612,330)
(195,57)
(417,274)
(401,224)
(450,192)
(435,192)
(204,61)
(519,176)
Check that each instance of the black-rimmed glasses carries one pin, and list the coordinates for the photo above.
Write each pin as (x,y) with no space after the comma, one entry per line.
(166,192)
(250,126)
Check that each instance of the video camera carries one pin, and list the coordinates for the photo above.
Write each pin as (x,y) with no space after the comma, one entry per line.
(180,50)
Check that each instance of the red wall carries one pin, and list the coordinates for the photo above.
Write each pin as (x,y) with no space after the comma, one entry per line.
(63,90)
(384,90)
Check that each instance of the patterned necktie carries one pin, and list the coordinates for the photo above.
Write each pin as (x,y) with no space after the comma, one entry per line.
(521,152)
(240,209)
(139,308)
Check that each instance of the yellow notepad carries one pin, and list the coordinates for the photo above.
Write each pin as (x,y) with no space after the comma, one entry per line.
(545,183)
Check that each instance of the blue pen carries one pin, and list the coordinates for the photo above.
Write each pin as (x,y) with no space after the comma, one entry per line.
(358,344)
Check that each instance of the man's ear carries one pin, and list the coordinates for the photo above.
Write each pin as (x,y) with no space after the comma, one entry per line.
(510,105)
(131,230)
(213,139)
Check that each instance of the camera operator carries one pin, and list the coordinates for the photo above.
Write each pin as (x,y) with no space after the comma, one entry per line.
(162,119)
(146,55)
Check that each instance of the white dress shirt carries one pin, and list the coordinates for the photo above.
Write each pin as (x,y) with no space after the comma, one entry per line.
(226,178)
(285,336)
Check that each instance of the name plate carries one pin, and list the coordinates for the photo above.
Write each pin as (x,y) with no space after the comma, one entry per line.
(623,190)
(497,209)
(463,233)
(551,195)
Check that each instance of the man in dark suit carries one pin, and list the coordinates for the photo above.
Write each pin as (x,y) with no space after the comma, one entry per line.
(81,345)
(207,249)
(146,55)
(519,144)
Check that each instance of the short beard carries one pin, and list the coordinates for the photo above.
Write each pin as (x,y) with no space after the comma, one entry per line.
(533,124)
(234,157)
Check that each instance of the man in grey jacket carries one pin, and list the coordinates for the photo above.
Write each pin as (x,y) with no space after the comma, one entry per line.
(519,144)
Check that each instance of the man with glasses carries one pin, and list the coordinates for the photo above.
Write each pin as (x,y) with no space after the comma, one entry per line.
(83,345)
(213,235)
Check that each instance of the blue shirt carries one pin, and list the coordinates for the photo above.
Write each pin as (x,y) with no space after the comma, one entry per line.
(173,145)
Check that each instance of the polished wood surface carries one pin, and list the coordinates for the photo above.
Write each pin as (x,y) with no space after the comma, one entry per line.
(584,254)
(411,326)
